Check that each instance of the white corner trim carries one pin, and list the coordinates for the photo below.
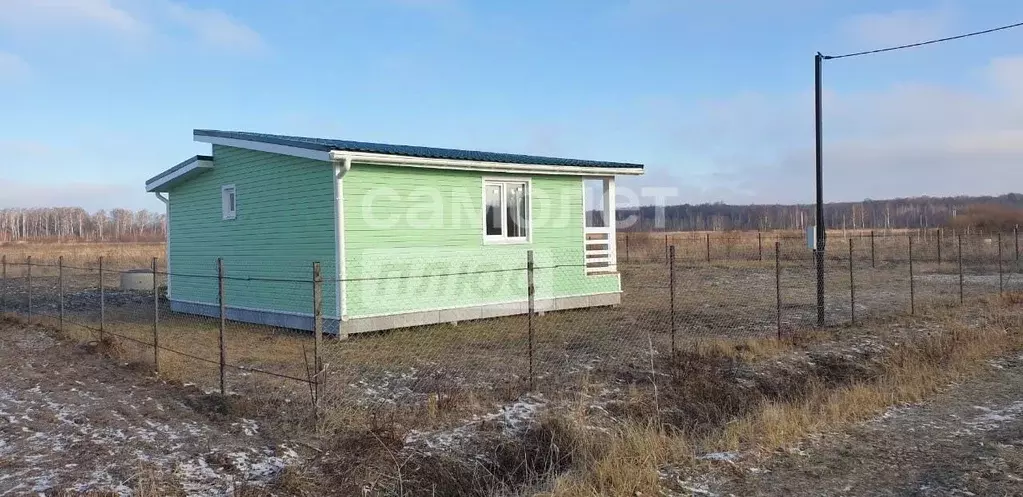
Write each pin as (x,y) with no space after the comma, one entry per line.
(265,147)
(340,169)
(160,181)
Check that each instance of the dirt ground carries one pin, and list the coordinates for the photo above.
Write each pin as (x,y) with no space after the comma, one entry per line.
(74,422)
(967,441)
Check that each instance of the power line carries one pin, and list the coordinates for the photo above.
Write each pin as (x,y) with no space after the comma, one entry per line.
(922,43)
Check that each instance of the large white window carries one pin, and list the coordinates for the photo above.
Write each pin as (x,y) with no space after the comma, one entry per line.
(228,201)
(506,210)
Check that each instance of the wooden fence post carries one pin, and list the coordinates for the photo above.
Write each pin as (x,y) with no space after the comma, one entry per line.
(102,301)
(708,247)
(873,263)
(156,320)
(671,289)
(28,282)
(223,322)
(760,246)
(1015,234)
(318,332)
(60,292)
(1001,288)
(852,285)
(777,283)
(959,237)
(626,248)
(531,300)
(912,288)
(3,296)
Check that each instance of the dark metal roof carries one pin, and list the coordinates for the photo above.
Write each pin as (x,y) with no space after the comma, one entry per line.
(326,145)
(179,166)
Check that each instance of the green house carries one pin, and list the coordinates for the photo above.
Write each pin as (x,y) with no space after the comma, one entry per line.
(404,235)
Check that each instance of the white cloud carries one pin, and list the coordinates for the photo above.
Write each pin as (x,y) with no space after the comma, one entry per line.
(89,196)
(147,18)
(215,27)
(898,27)
(22,14)
(13,69)
(907,139)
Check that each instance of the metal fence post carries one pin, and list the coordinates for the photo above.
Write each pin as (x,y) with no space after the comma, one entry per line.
(318,333)
(223,322)
(708,247)
(665,249)
(671,289)
(939,246)
(28,283)
(626,248)
(1000,285)
(852,286)
(102,301)
(959,237)
(60,292)
(777,283)
(760,246)
(912,288)
(531,299)
(156,321)
(873,263)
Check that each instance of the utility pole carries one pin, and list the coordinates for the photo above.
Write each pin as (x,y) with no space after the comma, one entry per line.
(821,235)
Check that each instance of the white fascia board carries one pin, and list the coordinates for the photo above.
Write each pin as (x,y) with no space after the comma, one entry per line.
(408,161)
(468,165)
(265,147)
(159,182)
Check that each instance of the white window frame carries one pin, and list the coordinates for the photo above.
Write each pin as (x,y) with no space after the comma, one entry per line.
(228,211)
(503,238)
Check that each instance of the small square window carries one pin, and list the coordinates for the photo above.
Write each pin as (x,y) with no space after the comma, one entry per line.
(228,201)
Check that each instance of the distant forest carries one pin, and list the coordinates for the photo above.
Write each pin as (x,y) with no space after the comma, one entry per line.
(982,213)
(75,224)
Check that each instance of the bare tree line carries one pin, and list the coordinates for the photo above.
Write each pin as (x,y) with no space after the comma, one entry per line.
(899,213)
(75,224)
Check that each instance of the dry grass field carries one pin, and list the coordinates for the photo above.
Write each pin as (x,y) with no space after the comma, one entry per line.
(613,405)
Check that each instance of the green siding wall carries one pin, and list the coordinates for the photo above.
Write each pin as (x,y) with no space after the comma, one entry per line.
(285,222)
(408,230)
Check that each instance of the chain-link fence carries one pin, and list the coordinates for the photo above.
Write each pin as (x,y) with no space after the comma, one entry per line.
(551,333)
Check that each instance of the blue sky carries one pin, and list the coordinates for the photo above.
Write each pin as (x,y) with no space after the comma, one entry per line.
(714,97)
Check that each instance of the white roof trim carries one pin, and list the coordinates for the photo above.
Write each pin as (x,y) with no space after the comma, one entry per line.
(482,166)
(265,147)
(196,163)
(425,162)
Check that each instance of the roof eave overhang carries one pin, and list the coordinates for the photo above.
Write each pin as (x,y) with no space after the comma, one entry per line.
(325,154)
(181,172)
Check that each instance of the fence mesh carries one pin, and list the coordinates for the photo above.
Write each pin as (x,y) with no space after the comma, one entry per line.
(730,286)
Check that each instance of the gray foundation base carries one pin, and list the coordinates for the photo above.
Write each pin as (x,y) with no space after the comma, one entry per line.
(362,325)
(377,323)
(268,318)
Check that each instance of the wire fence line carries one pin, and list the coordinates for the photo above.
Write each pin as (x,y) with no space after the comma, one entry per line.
(125,310)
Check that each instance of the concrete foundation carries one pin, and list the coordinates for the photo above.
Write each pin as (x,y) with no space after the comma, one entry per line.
(377,323)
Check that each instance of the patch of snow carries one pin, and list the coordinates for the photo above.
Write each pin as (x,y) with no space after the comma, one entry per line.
(719,456)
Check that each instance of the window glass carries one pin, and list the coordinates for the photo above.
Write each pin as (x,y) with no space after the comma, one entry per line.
(515,210)
(493,215)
